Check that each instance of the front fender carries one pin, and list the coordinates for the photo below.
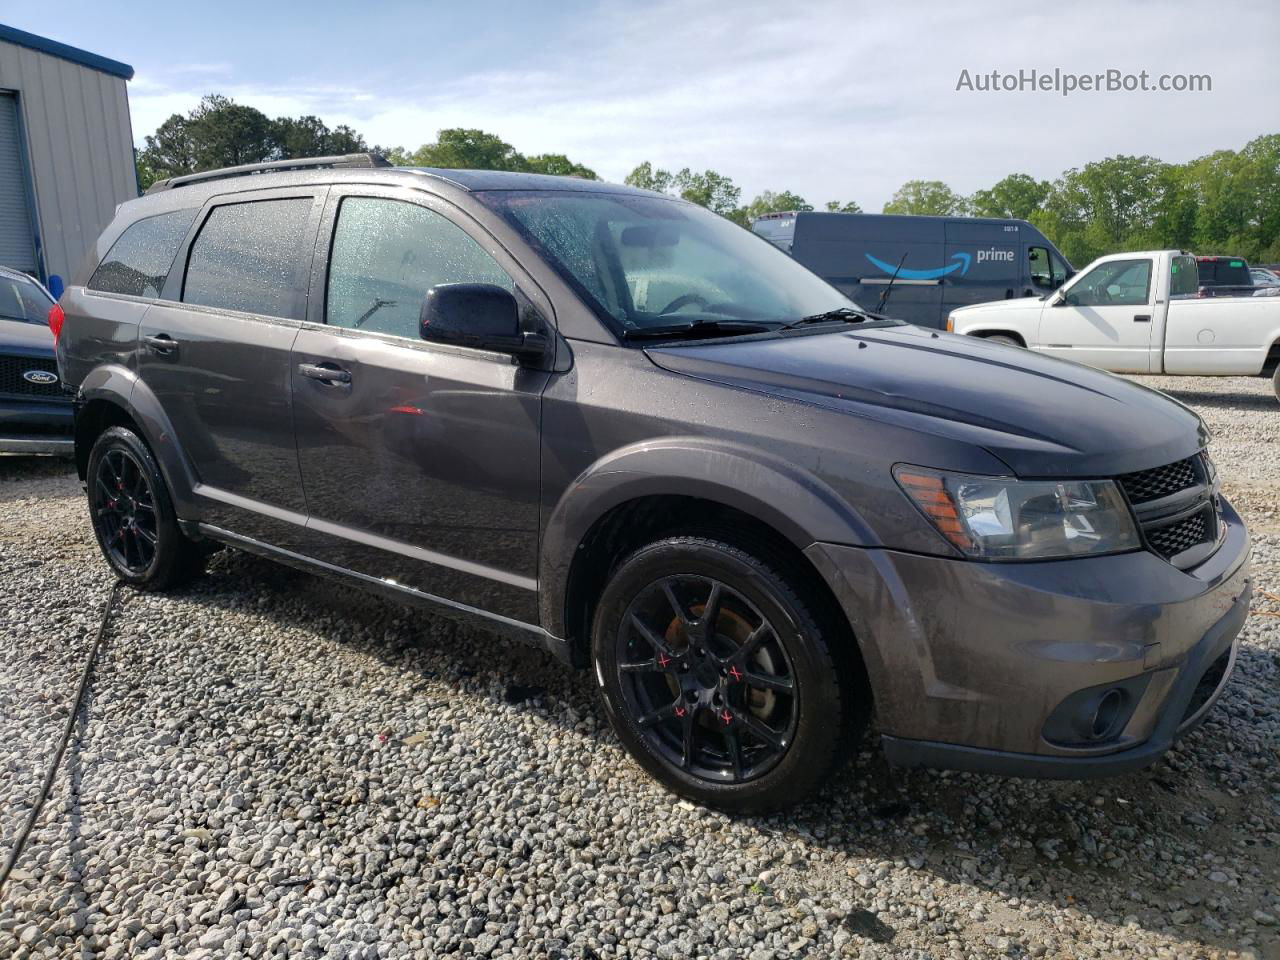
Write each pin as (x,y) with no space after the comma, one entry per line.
(797,504)
(121,387)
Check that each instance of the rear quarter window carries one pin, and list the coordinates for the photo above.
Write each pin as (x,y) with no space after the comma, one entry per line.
(139,260)
(246,257)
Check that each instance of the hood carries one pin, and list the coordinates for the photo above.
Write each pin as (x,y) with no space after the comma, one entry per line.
(1002,306)
(1042,416)
(25,339)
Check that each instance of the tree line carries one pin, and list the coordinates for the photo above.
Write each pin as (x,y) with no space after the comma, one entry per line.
(1227,202)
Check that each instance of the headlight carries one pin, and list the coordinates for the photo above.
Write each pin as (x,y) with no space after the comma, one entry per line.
(991,518)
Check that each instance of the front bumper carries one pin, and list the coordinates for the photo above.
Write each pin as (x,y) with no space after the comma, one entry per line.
(973,664)
(37,427)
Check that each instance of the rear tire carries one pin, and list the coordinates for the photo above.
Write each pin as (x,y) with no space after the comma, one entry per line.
(1275,382)
(750,710)
(133,516)
(1000,338)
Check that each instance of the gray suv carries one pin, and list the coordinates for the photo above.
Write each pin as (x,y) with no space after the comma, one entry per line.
(616,425)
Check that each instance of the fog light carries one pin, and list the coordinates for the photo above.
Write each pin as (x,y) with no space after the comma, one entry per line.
(1106,715)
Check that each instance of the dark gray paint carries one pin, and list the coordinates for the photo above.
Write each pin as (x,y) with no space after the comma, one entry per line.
(462,478)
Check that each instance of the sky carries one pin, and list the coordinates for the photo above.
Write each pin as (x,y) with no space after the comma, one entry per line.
(832,100)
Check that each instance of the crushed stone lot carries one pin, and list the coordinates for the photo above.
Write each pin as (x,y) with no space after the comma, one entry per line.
(275,766)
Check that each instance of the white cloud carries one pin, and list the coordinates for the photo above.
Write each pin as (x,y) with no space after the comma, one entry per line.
(830,99)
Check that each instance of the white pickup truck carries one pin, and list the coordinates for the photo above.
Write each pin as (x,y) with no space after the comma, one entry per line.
(1139,313)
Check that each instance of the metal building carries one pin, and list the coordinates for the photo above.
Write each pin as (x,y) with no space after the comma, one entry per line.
(66,151)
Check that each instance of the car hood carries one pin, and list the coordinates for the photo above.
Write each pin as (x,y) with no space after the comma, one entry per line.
(1042,416)
(1002,306)
(25,339)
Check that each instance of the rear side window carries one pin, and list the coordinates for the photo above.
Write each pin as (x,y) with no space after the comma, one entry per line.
(387,254)
(139,260)
(1184,277)
(246,257)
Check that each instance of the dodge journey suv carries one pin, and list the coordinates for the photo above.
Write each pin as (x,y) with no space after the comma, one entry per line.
(614,424)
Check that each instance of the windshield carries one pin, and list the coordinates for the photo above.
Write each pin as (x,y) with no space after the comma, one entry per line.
(22,299)
(650,264)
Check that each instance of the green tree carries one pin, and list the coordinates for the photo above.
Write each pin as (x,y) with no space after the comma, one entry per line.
(468,149)
(647,177)
(927,198)
(1016,197)
(770,202)
(558,165)
(849,206)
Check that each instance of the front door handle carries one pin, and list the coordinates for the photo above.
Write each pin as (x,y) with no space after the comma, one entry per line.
(161,343)
(1142,318)
(324,372)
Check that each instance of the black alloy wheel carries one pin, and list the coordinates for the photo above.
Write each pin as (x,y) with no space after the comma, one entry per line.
(730,682)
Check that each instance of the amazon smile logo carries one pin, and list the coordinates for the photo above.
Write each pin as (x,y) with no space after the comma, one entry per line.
(961,266)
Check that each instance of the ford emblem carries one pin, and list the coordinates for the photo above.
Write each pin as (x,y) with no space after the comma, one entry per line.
(42,377)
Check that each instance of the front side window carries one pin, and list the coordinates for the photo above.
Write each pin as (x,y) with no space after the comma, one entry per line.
(387,254)
(22,299)
(139,260)
(650,263)
(1046,268)
(246,257)
(1116,283)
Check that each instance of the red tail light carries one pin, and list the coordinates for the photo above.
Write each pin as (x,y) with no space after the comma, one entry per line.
(56,319)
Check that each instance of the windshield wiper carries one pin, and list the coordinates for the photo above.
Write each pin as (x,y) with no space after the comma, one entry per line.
(699,328)
(849,314)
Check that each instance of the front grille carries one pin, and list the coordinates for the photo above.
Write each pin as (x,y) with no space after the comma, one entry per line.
(1171,540)
(12,382)
(1147,485)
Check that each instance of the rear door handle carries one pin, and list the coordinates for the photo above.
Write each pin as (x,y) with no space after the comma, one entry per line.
(324,372)
(161,343)
(1142,318)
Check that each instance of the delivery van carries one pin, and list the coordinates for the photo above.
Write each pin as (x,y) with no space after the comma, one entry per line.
(941,262)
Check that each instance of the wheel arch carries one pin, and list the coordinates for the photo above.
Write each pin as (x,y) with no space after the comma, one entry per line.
(986,333)
(114,395)
(680,487)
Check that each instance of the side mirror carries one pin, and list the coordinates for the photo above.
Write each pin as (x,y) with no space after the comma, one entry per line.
(1059,300)
(480,315)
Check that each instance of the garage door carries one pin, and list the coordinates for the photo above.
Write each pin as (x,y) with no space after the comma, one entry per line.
(16,248)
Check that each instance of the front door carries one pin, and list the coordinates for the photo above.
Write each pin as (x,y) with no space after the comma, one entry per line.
(1103,318)
(420,461)
(217,356)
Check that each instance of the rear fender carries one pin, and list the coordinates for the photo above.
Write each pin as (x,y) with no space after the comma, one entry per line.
(120,386)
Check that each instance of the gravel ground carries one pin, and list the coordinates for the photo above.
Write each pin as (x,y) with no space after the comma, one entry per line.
(275,766)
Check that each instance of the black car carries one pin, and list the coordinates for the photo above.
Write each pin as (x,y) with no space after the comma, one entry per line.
(616,425)
(35,414)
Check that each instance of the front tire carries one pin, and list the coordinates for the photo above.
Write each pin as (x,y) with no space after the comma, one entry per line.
(133,516)
(1275,382)
(719,677)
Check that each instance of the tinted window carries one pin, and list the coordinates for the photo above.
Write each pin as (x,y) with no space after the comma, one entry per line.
(139,260)
(246,257)
(1224,273)
(1183,277)
(1047,270)
(387,254)
(1117,283)
(22,300)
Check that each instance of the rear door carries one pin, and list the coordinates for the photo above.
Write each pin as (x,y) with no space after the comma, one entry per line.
(218,357)
(1104,318)
(420,460)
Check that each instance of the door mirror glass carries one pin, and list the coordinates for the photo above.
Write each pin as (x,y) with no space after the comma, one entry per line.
(480,315)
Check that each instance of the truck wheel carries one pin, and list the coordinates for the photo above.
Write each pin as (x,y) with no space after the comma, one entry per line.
(133,516)
(1275,382)
(1007,341)
(718,678)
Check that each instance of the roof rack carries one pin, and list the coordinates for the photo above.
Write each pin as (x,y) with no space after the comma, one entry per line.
(274,166)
